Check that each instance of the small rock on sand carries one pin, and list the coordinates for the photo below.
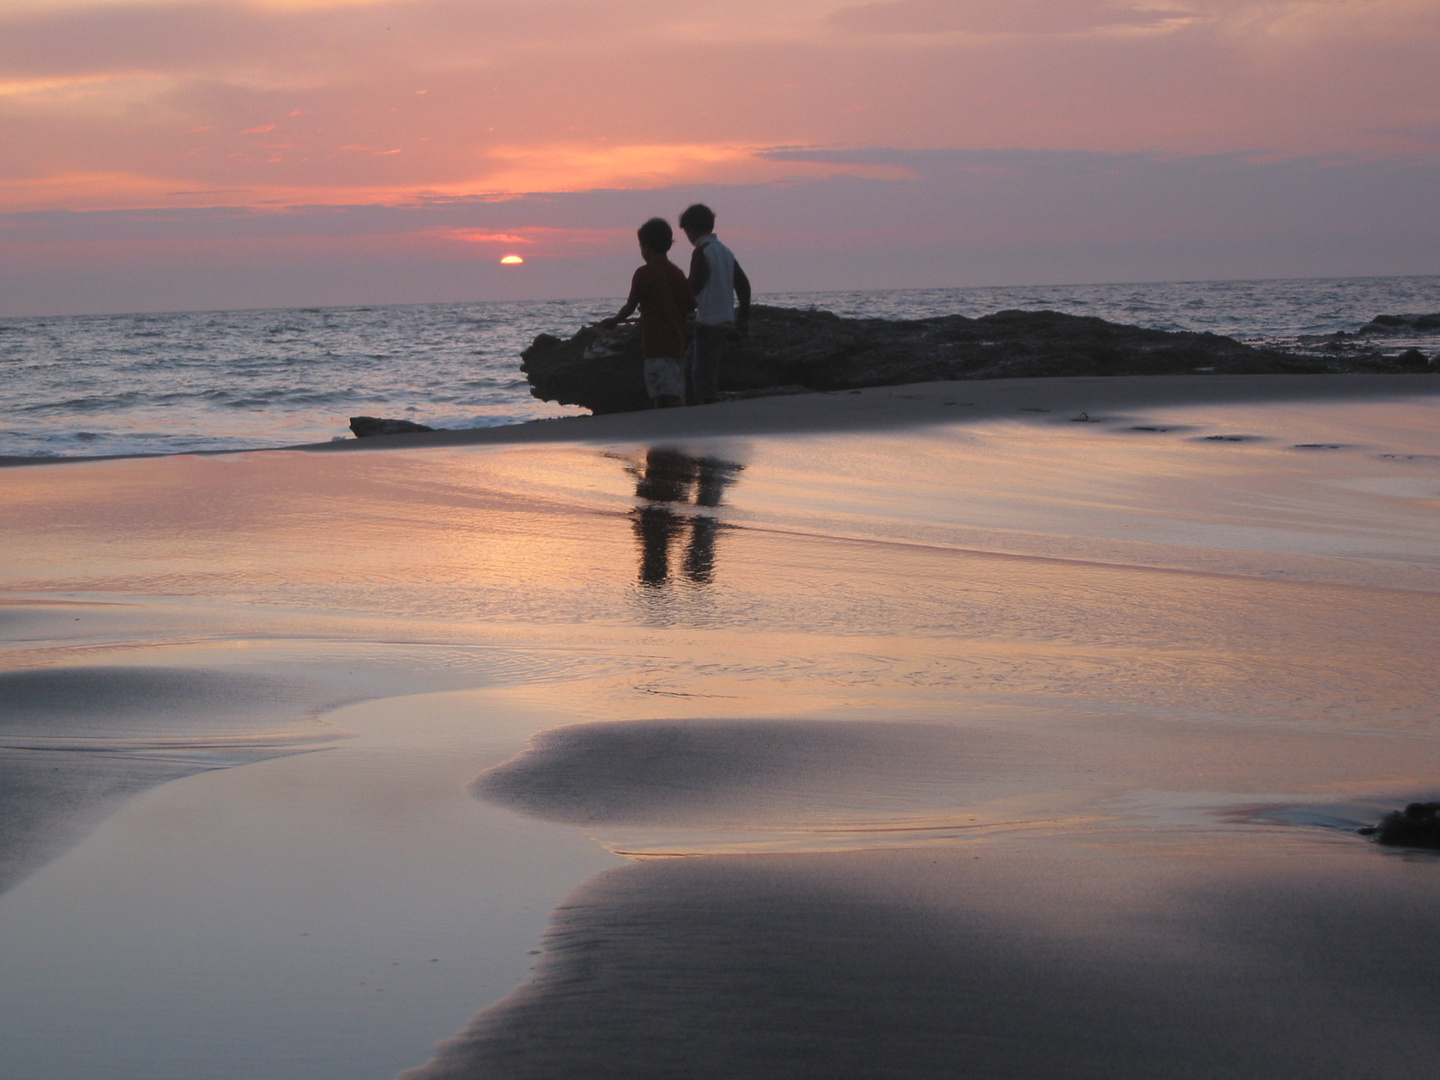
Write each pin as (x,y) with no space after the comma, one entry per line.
(365,426)
(1418,825)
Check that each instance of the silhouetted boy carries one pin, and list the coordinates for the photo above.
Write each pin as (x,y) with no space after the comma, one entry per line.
(717,282)
(664,298)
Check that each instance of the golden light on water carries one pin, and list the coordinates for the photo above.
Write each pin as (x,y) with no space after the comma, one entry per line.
(511,260)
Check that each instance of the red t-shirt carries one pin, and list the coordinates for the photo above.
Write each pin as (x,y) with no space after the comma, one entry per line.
(665,299)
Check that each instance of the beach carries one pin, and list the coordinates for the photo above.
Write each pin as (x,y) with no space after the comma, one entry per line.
(1011,728)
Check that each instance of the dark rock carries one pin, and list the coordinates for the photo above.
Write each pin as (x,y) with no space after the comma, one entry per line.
(786,347)
(365,426)
(599,369)
(1413,359)
(1403,324)
(1418,825)
(1339,343)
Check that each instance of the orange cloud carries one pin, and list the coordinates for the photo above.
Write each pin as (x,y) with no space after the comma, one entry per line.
(588,166)
(84,191)
(966,217)
(544,240)
(480,236)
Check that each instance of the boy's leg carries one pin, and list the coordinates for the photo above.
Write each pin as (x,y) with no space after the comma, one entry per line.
(687,369)
(703,359)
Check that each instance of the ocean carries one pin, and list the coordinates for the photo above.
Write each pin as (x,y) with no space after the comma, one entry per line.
(237,380)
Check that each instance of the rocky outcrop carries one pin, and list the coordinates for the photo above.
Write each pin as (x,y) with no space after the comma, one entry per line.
(817,350)
(365,426)
(1407,325)
(601,369)
(1386,342)
(597,368)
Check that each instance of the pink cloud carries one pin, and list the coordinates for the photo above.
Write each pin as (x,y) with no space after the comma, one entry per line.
(521,96)
(1011,17)
(425,104)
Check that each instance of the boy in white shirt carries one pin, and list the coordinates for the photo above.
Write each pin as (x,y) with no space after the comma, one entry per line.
(717,282)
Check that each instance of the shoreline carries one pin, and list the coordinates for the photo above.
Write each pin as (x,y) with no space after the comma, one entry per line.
(871,409)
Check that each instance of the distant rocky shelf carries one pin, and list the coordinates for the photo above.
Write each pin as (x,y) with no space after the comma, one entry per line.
(789,350)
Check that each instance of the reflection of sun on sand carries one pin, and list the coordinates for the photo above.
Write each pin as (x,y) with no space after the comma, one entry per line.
(938,739)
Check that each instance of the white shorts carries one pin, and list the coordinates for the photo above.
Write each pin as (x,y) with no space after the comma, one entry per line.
(664,377)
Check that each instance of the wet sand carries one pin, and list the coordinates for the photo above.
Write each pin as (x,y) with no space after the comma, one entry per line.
(1204,960)
(848,735)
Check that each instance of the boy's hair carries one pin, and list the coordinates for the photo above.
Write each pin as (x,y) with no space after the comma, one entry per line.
(698,218)
(655,234)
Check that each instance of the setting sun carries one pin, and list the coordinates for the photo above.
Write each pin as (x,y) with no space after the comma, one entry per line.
(511,260)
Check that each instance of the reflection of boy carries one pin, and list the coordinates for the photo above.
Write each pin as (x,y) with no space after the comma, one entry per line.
(717,281)
(664,298)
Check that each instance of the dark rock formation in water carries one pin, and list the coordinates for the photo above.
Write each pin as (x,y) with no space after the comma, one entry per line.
(1403,324)
(1384,340)
(365,426)
(1418,825)
(816,350)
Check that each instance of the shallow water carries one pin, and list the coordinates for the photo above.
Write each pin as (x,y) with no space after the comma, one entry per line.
(1116,634)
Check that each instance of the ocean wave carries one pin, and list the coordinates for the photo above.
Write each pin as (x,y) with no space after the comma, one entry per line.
(73,407)
(249,379)
(259,401)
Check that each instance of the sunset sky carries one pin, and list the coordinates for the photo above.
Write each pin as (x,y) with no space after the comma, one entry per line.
(172,155)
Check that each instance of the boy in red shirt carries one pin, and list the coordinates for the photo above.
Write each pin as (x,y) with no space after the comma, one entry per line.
(662,294)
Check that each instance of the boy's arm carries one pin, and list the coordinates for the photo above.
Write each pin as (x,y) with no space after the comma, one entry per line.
(685,296)
(699,270)
(742,294)
(621,315)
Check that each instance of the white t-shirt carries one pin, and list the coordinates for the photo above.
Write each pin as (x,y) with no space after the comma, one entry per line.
(716,301)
